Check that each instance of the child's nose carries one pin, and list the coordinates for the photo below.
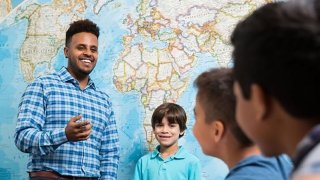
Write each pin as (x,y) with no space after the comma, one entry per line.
(165,128)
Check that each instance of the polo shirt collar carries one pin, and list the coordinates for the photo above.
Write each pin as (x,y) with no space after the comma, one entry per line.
(180,154)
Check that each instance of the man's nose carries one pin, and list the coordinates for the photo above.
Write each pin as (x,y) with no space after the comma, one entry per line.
(87,52)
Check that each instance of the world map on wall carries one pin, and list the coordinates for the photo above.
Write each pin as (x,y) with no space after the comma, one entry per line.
(150,52)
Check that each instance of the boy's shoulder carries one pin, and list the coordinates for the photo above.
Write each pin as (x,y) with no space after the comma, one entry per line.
(149,155)
(310,164)
(185,154)
(261,166)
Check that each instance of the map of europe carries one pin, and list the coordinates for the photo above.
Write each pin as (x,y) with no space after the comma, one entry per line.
(150,52)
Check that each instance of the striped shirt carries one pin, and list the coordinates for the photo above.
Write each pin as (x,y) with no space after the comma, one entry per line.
(45,109)
(307,159)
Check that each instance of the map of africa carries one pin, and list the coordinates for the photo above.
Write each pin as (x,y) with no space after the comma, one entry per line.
(150,51)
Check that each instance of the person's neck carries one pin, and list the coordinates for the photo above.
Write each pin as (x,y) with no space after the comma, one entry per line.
(288,129)
(83,82)
(232,152)
(240,154)
(166,152)
(82,79)
(295,132)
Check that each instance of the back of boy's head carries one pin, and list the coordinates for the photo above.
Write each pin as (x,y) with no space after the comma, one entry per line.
(215,94)
(173,112)
(278,48)
(81,26)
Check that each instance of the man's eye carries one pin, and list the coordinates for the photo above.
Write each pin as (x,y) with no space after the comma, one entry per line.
(81,47)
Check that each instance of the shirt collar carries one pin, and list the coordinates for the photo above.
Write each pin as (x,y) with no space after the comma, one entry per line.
(65,76)
(180,154)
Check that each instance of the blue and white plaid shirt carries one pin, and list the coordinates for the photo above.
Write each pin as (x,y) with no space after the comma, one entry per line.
(46,107)
(307,159)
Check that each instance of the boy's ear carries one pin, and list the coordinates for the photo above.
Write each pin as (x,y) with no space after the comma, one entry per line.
(182,133)
(217,131)
(260,102)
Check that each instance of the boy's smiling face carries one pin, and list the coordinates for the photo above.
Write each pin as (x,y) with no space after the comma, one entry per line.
(167,134)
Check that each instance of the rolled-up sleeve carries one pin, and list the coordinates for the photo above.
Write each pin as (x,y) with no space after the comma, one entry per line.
(29,137)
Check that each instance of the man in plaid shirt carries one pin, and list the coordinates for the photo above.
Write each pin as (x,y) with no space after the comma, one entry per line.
(64,122)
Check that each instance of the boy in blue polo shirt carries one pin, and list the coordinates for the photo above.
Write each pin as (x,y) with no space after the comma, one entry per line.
(168,161)
(219,134)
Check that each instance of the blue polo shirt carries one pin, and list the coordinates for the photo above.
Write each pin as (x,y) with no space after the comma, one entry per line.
(180,166)
(260,167)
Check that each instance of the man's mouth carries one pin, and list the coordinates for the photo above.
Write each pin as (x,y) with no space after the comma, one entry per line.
(86,60)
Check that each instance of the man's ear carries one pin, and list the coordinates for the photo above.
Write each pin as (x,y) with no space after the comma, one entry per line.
(260,102)
(65,50)
(217,130)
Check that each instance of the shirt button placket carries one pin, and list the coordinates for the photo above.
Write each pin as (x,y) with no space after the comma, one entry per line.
(84,117)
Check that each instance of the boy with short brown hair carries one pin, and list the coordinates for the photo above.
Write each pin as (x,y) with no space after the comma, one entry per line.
(169,160)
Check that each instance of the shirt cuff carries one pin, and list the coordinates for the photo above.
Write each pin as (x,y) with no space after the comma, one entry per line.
(58,136)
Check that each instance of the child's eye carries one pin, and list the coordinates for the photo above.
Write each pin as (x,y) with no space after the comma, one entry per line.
(158,125)
(173,125)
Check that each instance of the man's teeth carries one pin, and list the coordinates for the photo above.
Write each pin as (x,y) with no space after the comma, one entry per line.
(86,61)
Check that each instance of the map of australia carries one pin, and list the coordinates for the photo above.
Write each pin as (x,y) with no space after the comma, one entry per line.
(150,52)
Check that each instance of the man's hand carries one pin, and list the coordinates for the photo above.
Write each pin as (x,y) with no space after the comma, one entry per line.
(78,131)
